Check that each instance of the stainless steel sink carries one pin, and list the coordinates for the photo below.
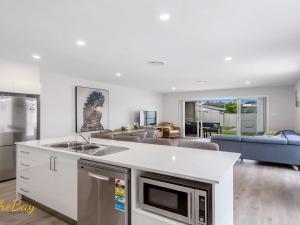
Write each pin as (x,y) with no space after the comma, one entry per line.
(89,149)
(110,150)
(86,147)
(68,144)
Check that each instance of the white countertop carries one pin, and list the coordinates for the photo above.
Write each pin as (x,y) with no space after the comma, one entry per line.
(201,165)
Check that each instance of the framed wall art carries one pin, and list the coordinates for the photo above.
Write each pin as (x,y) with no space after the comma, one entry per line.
(92,109)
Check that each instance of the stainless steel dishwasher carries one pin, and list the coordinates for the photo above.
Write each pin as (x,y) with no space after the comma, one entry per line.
(103,194)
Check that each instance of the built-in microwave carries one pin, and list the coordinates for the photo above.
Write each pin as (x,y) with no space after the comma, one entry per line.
(184,200)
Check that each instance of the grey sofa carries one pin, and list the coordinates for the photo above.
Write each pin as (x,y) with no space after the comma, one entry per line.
(283,148)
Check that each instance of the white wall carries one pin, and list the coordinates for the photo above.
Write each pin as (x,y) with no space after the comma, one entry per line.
(58,104)
(58,99)
(280,103)
(19,77)
(297,109)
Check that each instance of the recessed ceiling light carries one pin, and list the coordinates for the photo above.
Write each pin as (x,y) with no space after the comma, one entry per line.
(156,63)
(228,58)
(173,88)
(80,43)
(201,81)
(118,74)
(35,56)
(164,17)
(247,82)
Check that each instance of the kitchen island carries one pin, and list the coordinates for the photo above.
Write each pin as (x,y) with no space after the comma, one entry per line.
(48,175)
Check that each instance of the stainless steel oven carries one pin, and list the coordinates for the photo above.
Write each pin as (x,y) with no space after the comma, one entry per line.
(180,199)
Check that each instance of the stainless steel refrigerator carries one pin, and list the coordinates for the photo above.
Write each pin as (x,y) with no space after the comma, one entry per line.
(19,121)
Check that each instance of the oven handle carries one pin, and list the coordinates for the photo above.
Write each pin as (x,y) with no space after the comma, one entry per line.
(98,177)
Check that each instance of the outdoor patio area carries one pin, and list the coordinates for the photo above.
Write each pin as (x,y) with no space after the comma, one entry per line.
(223,116)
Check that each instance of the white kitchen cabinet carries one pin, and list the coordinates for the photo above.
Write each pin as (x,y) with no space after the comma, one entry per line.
(49,178)
(57,188)
(33,174)
(65,185)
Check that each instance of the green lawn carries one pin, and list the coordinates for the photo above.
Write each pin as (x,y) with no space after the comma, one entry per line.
(227,132)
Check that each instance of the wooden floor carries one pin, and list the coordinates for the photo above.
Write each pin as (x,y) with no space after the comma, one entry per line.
(265,194)
(39,217)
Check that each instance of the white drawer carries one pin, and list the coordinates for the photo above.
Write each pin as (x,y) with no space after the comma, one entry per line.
(25,153)
(24,177)
(24,189)
(24,164)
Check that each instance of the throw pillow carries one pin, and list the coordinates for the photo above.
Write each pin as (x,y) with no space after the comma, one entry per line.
(271,133)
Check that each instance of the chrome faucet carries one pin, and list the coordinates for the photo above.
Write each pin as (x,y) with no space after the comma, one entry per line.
(86,139)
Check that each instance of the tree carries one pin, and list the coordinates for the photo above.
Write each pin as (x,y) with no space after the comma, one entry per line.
(231,107)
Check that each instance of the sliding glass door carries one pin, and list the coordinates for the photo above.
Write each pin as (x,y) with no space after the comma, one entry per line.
(248,117)
(253,116)
(219,116)
(191,119)
(245,116)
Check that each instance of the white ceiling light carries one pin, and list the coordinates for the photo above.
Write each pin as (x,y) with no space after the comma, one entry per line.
(80,43)
(35,56)
(228,58)
(173,88)
(118,74)
(164,17)
(247,82)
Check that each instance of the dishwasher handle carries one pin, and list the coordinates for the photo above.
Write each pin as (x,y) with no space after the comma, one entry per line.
(98,177)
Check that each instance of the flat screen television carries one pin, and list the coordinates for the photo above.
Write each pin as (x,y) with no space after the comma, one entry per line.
(148,118)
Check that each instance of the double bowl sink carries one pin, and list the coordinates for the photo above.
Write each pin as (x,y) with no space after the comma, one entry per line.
(87,148)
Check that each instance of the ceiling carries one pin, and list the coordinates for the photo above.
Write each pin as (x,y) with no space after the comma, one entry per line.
(262,37)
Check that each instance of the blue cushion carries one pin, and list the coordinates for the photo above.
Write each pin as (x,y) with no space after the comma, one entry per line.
(226,137)
(292,137)
(288,132)
(265,140)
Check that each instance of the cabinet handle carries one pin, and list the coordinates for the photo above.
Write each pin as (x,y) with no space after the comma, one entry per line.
(26,165)
(191,206)
(24,152)
(25,178)
(51,162)
(54,160)
(24,190)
